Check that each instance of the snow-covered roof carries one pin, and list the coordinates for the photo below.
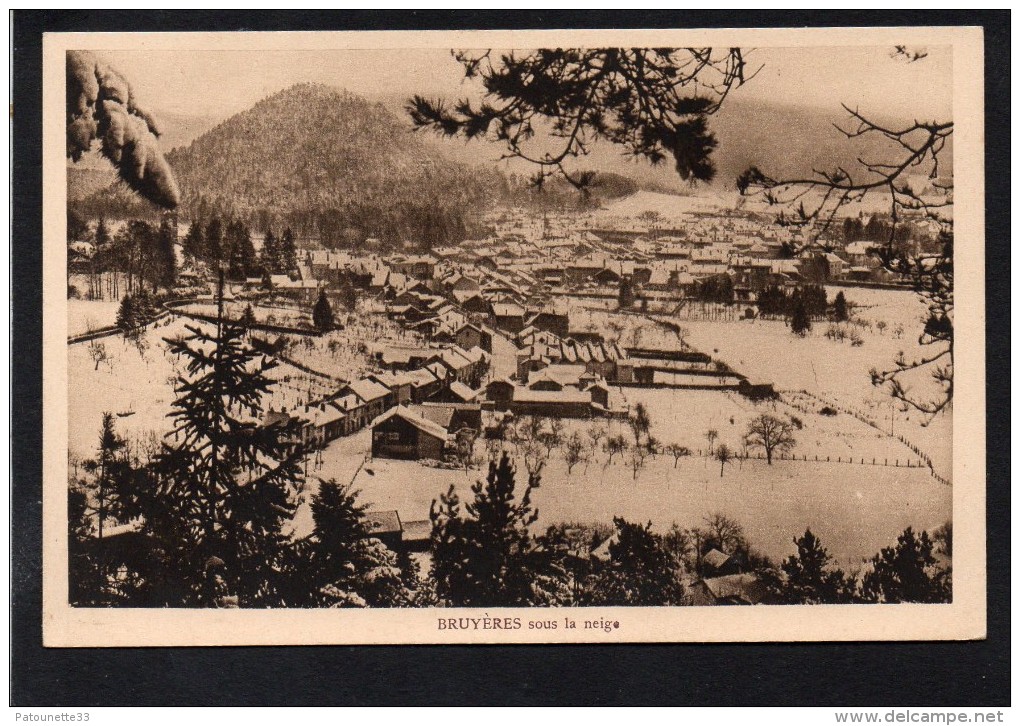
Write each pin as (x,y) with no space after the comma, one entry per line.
(505,310)
(368,390)
(715,558)
(421,377)
(744,586)
(462,391)
(418,421)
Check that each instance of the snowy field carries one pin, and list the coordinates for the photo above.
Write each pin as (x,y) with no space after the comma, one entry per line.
(266,314)
(84,316)
(630,330)
(766,350)
(855,509)
(347,353)
(684,417)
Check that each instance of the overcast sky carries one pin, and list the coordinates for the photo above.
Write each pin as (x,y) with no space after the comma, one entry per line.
(221,83)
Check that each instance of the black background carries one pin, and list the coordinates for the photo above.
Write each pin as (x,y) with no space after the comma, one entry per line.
(821,674)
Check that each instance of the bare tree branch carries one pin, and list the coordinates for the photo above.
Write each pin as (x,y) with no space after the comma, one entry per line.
(816,202)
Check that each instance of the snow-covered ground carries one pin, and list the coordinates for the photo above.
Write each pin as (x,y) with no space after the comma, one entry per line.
(347,353)
(766,350)
(268,314)
(630,330)
(855,509)
(84,316)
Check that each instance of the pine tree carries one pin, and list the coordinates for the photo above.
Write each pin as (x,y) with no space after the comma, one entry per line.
(213,247)
(109,469)
(85,579)
(839,308)
(144,307)
(166,254)
(640,571)
(809,577)
(626,295)
(77,226)
(99,258)
(239,250)
(800,323)
(288,251)
(108,495)
(483,557)
(194,241)
(269,255)
(140,244)
(247,317)
(127,319)
(907,572)
(227,485)
(340,564)
(102,233)
(322,313)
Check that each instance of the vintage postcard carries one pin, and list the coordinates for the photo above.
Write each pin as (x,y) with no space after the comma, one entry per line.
(513,337)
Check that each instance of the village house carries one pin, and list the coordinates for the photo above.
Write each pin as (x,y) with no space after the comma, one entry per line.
(553,322)
(324,423)
(373,396)
(301,437)
(607,360)
(474,304)
(406,314)
(400,358)
(456,392)
(424,384)
(500,392)
(582,270)
(463,365)
(421,267)
(400,385)
(473,336)
(739,589)
(354,412)
(459,283)
(558,376)
(401,433)
(508,317)
(859,254)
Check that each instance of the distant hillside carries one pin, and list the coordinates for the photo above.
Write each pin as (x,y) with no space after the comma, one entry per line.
(331,163)
(180,129)
(783,140)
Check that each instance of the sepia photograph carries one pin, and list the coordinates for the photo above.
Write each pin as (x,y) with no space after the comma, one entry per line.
(545,336)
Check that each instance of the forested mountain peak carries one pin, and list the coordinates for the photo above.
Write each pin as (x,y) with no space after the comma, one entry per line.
(312,153)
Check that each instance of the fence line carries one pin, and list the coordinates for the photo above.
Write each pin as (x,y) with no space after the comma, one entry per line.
(828,459)
(109,330)
(864,418)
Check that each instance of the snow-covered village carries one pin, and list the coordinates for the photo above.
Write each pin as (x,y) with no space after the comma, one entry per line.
(336,365)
